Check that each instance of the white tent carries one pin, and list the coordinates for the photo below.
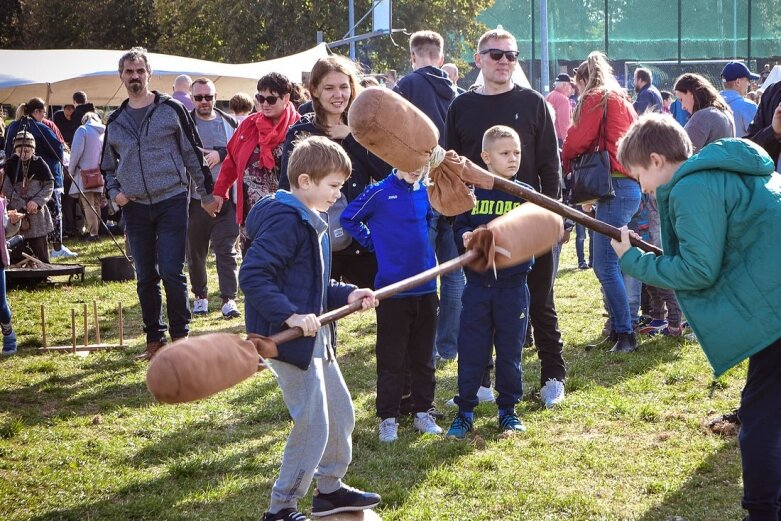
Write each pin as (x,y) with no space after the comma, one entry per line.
(773,77)
(54,75)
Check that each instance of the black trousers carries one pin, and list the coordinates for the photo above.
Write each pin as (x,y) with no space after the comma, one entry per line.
(760,435)
(544,321)
(356,268)
(406,328)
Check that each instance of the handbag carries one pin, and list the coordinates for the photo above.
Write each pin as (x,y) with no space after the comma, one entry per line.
(591,179)
(338,236)
(92,178)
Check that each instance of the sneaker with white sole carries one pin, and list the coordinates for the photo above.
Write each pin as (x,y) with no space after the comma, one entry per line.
(63,252)
(426,424)
(552,393)
(201,306)
(484,395)
(230,309)
(389,430)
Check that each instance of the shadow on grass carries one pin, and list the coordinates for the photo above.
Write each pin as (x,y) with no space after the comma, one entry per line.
(713,491)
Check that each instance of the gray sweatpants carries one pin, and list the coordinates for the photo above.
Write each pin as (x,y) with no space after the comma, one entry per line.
(222,231)
(320,443)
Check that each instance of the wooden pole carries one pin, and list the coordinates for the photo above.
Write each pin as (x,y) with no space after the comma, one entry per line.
(43,326)
(97,323)
(73,329)
(86,331)
(121,326)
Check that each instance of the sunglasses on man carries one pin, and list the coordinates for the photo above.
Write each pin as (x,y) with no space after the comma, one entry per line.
(496,54)
(201,97)
(271,100)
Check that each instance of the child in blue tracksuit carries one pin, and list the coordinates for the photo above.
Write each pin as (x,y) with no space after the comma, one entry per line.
(391,218)
(286,280)
(495,307)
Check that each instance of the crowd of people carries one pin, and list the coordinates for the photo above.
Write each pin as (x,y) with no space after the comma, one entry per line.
(303,218)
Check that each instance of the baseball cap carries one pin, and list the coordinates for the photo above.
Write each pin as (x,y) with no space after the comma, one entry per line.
(564,77)
(734,70)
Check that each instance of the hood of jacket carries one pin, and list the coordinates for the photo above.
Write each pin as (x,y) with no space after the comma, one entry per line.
(730,155)
(438,79)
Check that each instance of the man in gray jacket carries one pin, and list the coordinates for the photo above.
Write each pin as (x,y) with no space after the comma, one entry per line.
(150,151)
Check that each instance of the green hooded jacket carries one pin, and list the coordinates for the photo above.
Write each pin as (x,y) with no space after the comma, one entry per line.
(721,234)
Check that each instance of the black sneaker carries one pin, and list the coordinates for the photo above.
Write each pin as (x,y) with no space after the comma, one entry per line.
(346,499)
(286,514)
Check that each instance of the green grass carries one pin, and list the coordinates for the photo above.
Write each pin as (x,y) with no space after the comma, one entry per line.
(82,439)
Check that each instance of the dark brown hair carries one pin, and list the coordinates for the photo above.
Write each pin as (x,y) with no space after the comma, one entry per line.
(705,94)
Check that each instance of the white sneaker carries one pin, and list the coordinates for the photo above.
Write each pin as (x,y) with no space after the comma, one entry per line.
(200,306)
(230,309)
(389,430)
(552,393)
(484,395)
(426,423)
(63,252)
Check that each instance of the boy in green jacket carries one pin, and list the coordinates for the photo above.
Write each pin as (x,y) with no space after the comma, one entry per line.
(719,214)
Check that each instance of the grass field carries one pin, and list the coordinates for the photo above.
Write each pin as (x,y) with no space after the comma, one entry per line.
(82,439)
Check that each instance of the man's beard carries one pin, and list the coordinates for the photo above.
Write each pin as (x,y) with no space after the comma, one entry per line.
(204,112)
(135,87)
(638,88)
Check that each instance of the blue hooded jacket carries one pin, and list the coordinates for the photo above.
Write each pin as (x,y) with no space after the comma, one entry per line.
(391,218)
(287,270)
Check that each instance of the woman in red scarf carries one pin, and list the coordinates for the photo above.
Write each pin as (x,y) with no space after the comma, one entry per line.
(255,150)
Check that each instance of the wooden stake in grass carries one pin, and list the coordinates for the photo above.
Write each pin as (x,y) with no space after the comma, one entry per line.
(86,331)
(73,329)
(97,322)
(121,326)
(43,326)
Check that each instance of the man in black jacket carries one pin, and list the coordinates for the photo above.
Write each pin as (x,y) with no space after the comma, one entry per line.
(429,88)
(765,130)
(500,102)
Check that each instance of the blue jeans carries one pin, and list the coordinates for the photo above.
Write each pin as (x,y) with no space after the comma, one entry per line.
(580,240)
(451,287)
(157,235)
(634,291)
(5,310)
(617,211)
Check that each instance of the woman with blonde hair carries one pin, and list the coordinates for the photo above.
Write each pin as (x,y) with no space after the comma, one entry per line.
(333,85)
(711,118)
(602,96)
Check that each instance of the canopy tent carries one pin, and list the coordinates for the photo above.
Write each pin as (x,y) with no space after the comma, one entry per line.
(54,75)
(773,77)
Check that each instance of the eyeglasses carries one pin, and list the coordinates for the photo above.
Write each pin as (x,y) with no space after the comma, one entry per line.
(496,54)
(201,97)
(268,99)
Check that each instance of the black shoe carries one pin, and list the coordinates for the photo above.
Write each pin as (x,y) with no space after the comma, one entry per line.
(286,514)
(346,499)
(626,343)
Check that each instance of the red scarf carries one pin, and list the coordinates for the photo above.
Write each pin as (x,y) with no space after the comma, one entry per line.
(271,135)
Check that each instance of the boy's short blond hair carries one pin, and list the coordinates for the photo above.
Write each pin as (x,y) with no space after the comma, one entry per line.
(497,132)
(654,133)
(494,34)
(318,157)
(426,44)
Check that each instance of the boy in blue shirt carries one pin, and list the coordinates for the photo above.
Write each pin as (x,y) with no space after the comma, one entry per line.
(391,218)
(719,212)
(286,280)
(495,307)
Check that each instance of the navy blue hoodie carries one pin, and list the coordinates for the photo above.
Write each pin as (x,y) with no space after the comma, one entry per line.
(429,89)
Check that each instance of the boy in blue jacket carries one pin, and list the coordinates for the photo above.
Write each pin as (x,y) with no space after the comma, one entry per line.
(719,212)
(286,282)
(391,218)
(495,306)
